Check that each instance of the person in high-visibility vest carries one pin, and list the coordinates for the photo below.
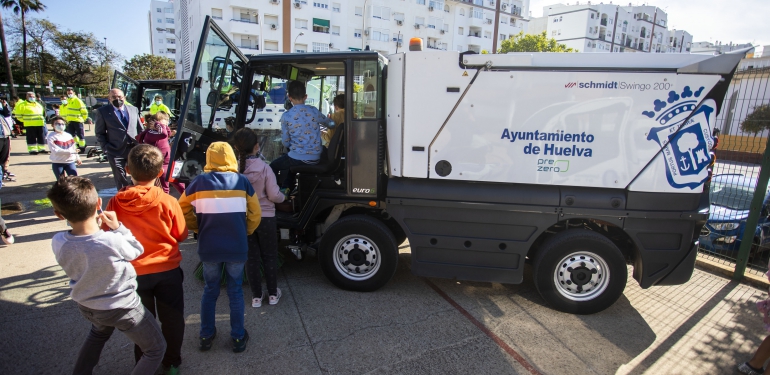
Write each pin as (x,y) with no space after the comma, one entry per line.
(32,114)
(157,105)
(75,114)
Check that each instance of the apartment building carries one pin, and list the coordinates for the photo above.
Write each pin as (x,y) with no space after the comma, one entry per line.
(611,27)
(717,47)
(280,26)
(161,22)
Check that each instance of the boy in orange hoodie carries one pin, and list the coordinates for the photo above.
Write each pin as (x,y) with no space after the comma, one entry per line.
(157,221)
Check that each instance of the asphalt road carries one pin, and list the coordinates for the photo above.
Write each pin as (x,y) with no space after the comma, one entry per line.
(412,325)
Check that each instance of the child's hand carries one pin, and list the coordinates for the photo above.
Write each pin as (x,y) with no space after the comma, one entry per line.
(78,162)
(110,218)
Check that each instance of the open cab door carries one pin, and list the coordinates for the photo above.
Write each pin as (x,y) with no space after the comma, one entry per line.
(210,101)
(129,86)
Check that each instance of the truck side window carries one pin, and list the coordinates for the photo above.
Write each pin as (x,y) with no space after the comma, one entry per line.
(366,81)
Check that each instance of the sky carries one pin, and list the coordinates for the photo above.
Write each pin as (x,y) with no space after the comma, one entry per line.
(123,23)
(125,26)
(739,21)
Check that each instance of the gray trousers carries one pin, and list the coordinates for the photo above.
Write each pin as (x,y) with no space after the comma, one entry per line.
(137,324)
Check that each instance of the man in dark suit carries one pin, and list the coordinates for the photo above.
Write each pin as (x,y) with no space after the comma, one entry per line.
(116,128)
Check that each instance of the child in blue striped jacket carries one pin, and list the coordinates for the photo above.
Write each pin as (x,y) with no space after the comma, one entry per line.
(223,208)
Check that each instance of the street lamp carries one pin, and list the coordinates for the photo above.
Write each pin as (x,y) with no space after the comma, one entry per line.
(295,40)
(363,25)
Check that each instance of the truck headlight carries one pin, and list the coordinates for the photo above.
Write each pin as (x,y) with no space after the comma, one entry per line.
(725,226)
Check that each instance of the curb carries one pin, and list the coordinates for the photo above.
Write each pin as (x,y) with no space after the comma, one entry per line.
(726,270)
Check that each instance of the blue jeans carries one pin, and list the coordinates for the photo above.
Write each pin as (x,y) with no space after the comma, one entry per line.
(60,168)
(212,276)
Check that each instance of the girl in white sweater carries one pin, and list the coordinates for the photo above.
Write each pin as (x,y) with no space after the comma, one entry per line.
(64,153)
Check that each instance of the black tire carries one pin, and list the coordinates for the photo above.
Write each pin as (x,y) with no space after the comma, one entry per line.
(589,257)
(369,248)
(398,232)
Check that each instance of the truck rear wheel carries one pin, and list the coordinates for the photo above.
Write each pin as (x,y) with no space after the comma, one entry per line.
(580,272)
(358,253)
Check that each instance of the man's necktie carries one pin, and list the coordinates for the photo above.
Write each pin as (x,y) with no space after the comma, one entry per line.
(123,117)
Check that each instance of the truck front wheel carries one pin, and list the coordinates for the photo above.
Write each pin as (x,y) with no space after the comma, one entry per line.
(580,272)
(358,253)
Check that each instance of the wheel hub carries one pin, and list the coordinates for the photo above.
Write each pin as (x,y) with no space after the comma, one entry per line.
(581,276)
(356,257)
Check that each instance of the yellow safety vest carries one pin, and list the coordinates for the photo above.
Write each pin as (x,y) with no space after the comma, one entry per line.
(154,108)
(75,111)
(30,113)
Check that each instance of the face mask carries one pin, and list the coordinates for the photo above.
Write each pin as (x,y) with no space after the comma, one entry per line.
(70,95)
(158,102)
(117,103)
(64,102)
(59,128)
(31,100)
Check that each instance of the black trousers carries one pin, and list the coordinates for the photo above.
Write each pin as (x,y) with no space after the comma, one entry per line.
(35,138)
(263,250)
(118,165)
(5,150)
(163,296)
(77,131)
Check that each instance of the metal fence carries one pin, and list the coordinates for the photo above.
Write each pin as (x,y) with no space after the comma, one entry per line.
(739,183)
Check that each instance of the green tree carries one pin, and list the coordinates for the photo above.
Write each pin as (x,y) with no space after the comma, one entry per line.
(532,43)
(78,59)
(758,120)
(22,7)
(149,66)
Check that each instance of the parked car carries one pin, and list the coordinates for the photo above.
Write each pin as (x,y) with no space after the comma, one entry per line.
(730,198)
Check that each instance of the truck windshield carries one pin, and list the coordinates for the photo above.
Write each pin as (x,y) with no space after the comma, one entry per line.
(320,89)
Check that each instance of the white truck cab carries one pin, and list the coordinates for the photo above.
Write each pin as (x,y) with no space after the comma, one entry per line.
(578,164)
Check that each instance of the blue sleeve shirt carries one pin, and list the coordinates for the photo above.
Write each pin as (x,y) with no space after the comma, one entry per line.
(301,132)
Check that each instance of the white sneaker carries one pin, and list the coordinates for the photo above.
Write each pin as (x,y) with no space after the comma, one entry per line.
(256,302)
(7,237)
(273,300)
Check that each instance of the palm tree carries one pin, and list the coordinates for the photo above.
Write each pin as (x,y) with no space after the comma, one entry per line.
(22,7)
(9,73)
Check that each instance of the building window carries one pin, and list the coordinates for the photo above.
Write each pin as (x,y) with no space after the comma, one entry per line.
(169,10)
(271,45)
(381,12)
(158,10)
(160,20)
(503,37)
(432,22)
(300,48)
(300,24)
(216,13)
(323,4)
(359,11)
(462,12)
(335,30)
(170,41)
(460,31)
(320,47)
(488,34)
(169,20)
(421,2)
(336,7)
(161,51)
(399,17)
(320,25)
(357,33)
(161,40)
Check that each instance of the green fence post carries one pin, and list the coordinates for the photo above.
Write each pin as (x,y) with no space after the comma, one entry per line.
(751,222)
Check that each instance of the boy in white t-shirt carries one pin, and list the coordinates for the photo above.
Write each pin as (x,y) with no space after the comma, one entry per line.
(64,152)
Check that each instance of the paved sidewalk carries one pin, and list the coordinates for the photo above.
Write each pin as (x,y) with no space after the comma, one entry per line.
(706,326)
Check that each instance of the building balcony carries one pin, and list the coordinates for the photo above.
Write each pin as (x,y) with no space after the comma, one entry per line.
(243,27)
